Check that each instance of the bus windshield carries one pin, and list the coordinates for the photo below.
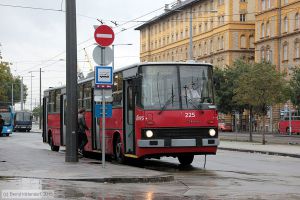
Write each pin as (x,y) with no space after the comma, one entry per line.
(7,118)
(174,87)
(23,116)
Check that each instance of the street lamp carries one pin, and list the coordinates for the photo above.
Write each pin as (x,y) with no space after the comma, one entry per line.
(113,50)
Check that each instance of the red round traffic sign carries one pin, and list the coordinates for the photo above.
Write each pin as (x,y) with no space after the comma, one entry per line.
(104,35)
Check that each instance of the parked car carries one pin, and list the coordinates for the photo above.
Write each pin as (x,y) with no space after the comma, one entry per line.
(225,127)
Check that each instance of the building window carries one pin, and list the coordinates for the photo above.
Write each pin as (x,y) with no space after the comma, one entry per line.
(269,4)
(243,42)
(268,29)
(211,46)
(286,24)
(251,42)
(297,24)
(200,50)
(297,49)
(268,54)
(262,30)
(222,43)
(262,54)
(285,51)
(286,2)
(263,5)
(242,17)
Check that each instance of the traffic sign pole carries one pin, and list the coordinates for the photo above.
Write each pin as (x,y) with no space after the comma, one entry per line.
(104,36)
(103,114)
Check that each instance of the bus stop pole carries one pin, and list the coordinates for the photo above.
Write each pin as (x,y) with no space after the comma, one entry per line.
(103,113)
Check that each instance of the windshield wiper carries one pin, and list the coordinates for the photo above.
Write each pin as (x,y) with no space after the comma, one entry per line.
(171,99)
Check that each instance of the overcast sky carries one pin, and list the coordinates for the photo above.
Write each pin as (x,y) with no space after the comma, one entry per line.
(32,38)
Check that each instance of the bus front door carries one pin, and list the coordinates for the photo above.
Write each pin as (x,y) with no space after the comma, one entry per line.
(63,110)
(129,105)
(45,120)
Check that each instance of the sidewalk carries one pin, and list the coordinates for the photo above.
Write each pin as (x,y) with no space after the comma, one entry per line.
(271,149)
(23,155)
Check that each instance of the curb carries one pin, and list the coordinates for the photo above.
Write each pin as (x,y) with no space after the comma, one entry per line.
(152,179)
(262,152)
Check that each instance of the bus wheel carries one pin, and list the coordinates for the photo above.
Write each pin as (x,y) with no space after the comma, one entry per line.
(53,147)
(118,150)
(186,160)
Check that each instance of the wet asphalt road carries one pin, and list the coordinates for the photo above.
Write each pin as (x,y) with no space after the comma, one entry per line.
(228,175)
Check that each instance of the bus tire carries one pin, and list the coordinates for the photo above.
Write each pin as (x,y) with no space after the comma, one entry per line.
(186,159)
(119,155)
(53,147)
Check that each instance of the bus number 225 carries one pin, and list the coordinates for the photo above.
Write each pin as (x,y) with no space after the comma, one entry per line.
(188,115)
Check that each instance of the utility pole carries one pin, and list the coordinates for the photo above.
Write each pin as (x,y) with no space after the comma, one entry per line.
(40,114)
(71,82)
(31,89)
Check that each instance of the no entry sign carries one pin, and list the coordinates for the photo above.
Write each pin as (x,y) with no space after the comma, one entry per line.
(104,36)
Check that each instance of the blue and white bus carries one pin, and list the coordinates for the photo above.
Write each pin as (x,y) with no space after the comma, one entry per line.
(7,113)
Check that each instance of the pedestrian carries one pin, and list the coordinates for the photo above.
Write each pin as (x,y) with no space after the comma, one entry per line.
(82,127)
(255,125)
(1,124)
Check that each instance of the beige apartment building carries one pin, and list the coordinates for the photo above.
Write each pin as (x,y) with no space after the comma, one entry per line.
(277,35)
(222,31)
(277,39)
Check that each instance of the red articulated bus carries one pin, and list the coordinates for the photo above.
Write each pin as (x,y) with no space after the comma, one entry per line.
(287,121)
(155,113)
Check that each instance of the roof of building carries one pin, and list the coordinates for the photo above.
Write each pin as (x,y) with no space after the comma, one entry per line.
(174,8)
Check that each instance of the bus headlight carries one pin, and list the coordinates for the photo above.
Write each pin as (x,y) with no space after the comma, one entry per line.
(8,130)
(149,133)
(212,132)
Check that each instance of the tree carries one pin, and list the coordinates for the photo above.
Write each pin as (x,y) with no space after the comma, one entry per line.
(295,88)
(7,80)
(262,86)
(226,81)
(36,112)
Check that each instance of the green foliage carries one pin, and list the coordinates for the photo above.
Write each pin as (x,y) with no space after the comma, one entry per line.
(295,88)
(36,112)
(6,82)
(260,87)
(226,82)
